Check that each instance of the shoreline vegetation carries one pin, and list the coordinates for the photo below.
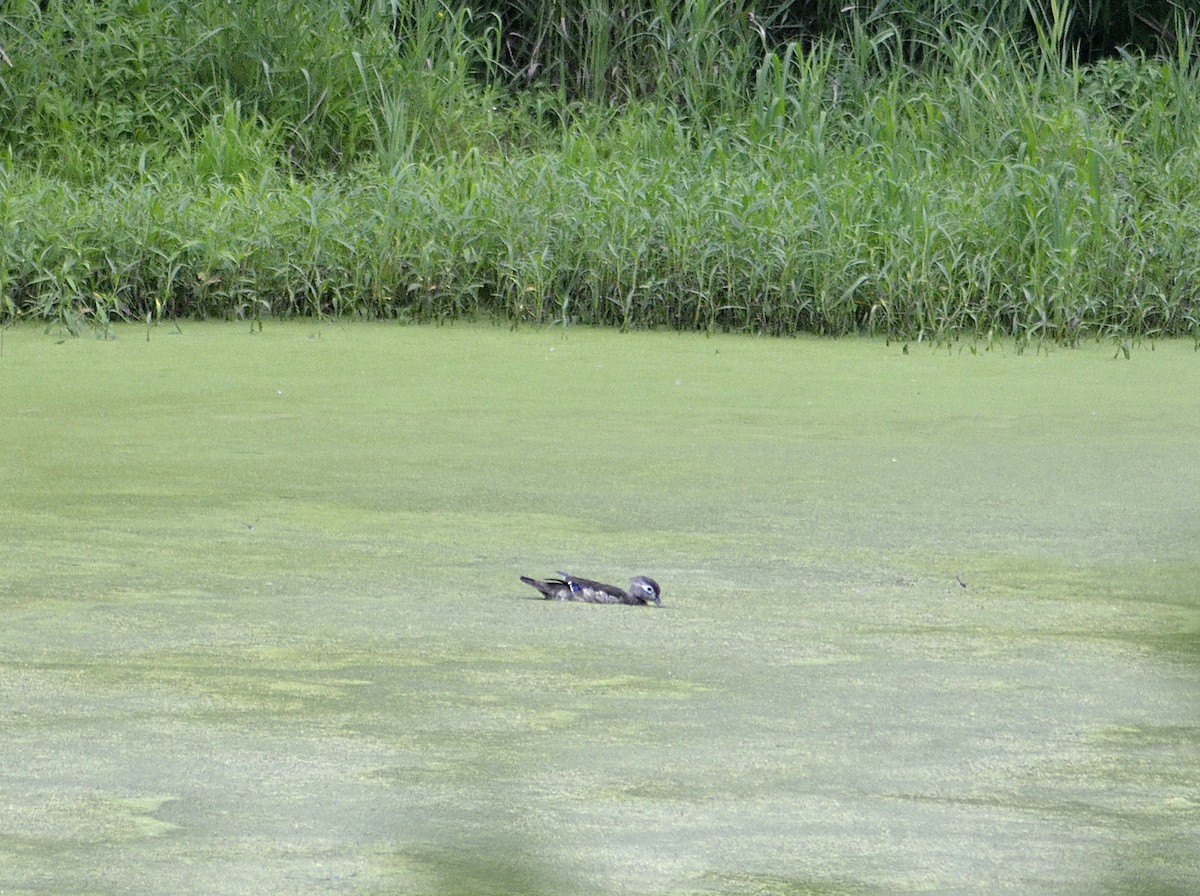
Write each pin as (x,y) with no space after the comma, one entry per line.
(674,166)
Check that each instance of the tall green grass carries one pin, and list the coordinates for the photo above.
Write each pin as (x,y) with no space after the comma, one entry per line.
(680,170)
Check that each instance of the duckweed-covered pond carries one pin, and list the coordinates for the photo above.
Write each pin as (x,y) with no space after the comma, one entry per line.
(933,617)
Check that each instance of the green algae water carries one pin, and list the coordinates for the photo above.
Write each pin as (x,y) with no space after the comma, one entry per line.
(933,618)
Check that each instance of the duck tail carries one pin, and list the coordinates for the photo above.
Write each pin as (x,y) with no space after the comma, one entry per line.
(540,586)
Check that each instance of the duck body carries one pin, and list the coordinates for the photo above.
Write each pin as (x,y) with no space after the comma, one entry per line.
(643,590)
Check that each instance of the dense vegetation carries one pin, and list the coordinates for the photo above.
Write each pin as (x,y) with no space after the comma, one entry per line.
(682,163)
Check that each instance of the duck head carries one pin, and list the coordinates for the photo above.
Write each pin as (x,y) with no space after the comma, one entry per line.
(646,590)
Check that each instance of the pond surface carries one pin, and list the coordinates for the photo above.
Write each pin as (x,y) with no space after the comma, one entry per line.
(933,618)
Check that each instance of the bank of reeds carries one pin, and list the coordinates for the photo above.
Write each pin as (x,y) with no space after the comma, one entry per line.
(991,188)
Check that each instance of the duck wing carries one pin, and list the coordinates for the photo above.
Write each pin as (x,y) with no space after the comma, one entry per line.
(594,592)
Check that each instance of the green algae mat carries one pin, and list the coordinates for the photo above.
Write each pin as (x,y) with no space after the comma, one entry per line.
(932,617)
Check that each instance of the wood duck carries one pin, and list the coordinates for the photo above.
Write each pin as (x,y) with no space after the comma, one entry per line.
(643,590)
